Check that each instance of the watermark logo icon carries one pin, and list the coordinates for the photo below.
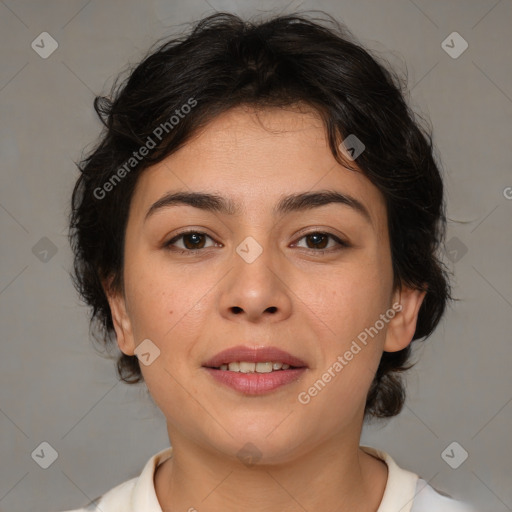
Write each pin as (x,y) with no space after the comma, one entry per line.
(44,45)
(44,455)
(44,250)
(249,250)
(352,147)
(454,45)
(147,352)
(454,455)
(249,454)
(455,249)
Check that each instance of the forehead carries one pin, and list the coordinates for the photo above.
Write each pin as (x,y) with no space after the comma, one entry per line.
(254,158)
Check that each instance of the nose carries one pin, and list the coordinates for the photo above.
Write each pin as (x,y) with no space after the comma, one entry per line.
(256,291)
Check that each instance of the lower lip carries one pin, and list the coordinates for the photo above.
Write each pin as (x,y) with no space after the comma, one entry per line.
(256,383)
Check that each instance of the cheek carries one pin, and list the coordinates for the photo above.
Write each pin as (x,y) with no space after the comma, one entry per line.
(355,314)
(162,299)
(153,308)
(166,308)
(169,306)
(349,299)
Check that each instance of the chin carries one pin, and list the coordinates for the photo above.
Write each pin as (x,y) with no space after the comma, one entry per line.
(259,443)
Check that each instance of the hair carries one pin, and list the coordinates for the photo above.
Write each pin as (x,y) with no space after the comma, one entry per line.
(284,61)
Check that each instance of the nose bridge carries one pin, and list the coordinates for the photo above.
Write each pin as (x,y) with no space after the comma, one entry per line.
(250,250)
(253,263)
(255,288)
(255,244)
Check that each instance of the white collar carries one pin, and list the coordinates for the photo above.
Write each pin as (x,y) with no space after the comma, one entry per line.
(400,489)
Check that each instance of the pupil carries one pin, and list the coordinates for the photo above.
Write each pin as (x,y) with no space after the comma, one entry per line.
(189,236)
(317,236)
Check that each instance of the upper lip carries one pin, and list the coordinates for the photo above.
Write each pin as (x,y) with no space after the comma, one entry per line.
(253,355)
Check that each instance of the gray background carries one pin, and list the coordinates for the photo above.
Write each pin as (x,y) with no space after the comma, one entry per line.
(56,388)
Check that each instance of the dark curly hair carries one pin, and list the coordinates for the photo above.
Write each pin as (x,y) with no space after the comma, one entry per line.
(283,61)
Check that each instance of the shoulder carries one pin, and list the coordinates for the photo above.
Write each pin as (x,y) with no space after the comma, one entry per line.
(133,495)
(428,499)
(407,492)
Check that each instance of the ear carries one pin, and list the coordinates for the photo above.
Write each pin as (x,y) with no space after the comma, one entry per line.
(401,328)
(120,319)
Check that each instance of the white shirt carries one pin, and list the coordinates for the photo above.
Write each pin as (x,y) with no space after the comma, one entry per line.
(404,492)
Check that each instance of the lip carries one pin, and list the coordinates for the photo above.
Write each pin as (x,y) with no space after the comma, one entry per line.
(256,383)
(254,355)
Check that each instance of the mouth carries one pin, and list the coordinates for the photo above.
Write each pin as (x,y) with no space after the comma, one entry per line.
(258,367)
(255,371)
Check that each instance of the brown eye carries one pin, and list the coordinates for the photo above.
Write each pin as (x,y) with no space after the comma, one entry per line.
(191,241)
(318,242)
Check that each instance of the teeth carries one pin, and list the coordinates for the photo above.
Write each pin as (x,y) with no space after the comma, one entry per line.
(246,367)
(263,367)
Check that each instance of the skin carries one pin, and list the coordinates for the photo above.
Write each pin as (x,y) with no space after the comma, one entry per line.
(313,305)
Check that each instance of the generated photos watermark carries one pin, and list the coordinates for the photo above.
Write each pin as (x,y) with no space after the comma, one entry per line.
(304,397)
(137,156)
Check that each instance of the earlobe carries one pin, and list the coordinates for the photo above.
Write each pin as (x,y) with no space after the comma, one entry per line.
(401,328)
(121,321)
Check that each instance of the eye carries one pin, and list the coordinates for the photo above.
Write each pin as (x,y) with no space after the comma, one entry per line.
(319,242)
(192,241)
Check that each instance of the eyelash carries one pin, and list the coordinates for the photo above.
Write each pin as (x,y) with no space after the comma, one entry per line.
(190,252)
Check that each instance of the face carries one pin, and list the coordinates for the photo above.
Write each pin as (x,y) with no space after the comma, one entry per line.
(304,277)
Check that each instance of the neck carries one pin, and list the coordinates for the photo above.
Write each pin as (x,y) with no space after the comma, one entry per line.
(336,475)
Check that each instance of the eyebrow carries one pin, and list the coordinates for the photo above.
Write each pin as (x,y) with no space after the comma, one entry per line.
(287,204)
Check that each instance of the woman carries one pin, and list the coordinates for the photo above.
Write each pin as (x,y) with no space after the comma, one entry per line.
(257,231)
